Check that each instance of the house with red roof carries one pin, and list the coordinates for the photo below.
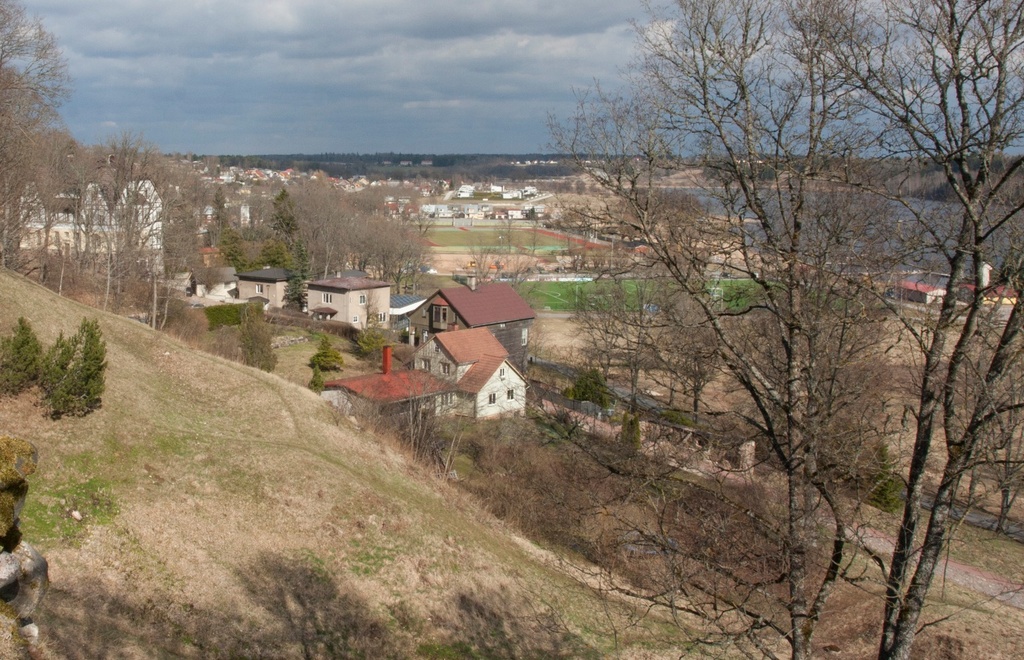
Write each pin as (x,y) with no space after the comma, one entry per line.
(919,291)
(390,392)
(496,307)
(483,380)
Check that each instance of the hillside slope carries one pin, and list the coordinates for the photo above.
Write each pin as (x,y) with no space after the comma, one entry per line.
(226,512)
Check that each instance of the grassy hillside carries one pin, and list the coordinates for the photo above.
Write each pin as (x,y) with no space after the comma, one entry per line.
(226,512)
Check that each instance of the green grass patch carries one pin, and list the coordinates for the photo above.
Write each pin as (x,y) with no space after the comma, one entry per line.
(454,651)
(370,559)
(47,519)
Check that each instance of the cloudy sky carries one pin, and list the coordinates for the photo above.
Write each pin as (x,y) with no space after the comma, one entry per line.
(290,76)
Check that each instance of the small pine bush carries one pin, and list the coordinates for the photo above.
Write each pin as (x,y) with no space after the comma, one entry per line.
(21,359)
(316,383)
(326,358)
(371,341)
(73,372)
(887,493)
(631,435)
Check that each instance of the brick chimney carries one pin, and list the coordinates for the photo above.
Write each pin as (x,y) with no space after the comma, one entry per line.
(387,360)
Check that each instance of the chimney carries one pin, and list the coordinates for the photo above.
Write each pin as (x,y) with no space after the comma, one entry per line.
(387,360)
(337,273)
(471,282)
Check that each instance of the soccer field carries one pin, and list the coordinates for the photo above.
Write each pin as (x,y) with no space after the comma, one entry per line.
(563,296)
(555,296)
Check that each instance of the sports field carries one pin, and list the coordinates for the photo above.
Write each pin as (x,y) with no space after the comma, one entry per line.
(556,296)
(563,296)
(496,239)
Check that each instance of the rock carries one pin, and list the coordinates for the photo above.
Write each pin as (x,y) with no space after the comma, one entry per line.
(23,571)
(30,632)
(76,515)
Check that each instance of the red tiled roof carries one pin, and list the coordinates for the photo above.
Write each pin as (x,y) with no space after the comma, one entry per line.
(478,375)
(477,347)
(999,291)
(393,387)
(488,304)
(921,287)
(470,345)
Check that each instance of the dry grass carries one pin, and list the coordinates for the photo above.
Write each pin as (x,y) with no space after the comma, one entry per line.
(227,513)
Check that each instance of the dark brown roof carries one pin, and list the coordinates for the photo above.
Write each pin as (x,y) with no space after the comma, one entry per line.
(348,284)
(488,304)
(266,275)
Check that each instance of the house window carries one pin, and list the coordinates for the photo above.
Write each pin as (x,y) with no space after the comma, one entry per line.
(448,398)
(501,372)
(492,398)
(437,347)
(423,312)
(259,288)
(501,325)
(510,395)
(446,368)
(328,298)
(425,364)
(440,314)
(382,317)
(362,298)
(526,336)
(355,319)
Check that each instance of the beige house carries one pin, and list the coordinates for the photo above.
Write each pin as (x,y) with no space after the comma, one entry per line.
(484,382)
(267,283)
(357,300)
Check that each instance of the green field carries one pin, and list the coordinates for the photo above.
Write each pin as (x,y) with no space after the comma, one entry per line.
(563,296)
(494,239)
(556,296)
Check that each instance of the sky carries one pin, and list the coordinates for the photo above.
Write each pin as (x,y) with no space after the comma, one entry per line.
(313,76)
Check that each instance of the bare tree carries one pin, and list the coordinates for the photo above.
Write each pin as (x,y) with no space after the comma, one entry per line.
(619,319)
(33,80)
(746,86)
(943,79)
(788,107)
(322,225)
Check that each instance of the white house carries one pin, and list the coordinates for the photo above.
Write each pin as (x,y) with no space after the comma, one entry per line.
(485,384)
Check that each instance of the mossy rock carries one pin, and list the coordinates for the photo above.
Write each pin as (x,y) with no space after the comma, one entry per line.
(18,460)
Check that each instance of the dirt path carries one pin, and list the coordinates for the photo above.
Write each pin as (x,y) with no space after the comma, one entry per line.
(952,571)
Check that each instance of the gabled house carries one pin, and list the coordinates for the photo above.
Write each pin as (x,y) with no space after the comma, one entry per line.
(484,382)
(919,291)
(390,392)
(496,307)
(267,283)
(351,298)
